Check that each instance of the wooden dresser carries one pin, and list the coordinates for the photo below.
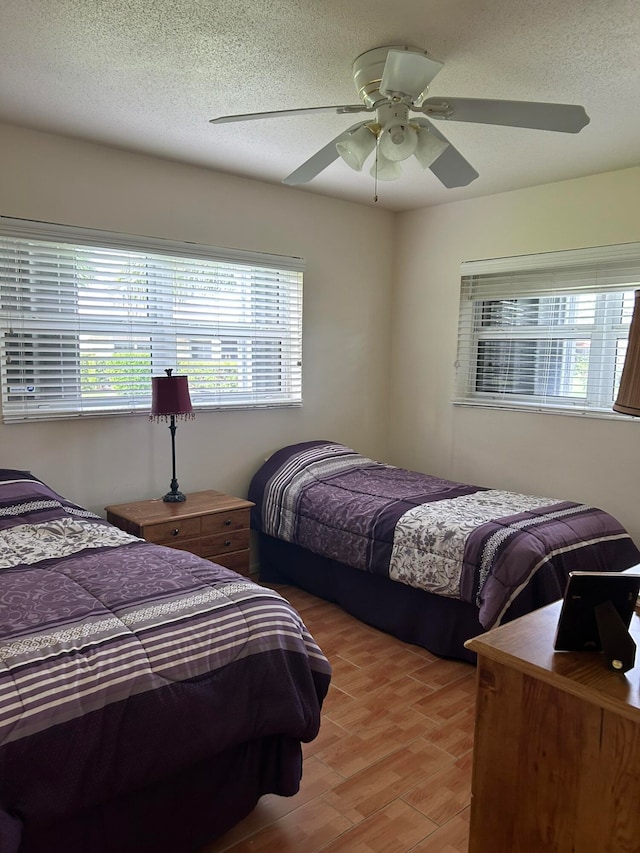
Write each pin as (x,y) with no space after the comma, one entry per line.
(210,524)
(557,745)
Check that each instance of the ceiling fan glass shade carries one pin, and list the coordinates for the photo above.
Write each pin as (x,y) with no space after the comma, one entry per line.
(408,73)
(398,141)
(385,170)
(355,149)
(428,148)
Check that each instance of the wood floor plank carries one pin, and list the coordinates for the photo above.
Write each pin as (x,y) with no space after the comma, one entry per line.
(330,734)
(307,829)
(452,699)
(317,778)
(394,829)
(357,752)
(376,786)
(391,702)
(456,735)
(336,701)
(453,837)
(359,680)
(442,796)
(364,717)
(438,673)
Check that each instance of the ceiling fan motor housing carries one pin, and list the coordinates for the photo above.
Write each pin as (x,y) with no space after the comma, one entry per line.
(368,69)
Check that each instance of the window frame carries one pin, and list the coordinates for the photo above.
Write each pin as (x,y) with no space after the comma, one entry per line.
(200,296)
(605,273)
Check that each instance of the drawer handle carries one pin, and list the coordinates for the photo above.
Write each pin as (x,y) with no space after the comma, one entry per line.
(175,531)
(228,522)
(227,542)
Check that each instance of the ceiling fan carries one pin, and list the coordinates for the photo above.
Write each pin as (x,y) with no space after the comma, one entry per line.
(392,82)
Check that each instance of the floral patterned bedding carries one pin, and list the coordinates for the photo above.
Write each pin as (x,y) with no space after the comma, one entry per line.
(452,539)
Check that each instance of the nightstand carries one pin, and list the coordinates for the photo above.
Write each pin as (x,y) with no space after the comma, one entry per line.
(210,524)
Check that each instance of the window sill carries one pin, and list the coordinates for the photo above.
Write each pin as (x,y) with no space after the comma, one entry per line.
(547,410)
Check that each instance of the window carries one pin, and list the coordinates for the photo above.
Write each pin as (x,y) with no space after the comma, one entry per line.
(88,317)
(546,332)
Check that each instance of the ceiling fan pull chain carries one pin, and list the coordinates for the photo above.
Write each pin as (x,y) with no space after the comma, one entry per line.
(375,179)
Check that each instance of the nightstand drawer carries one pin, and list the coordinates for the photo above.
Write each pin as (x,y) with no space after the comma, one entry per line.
(234,540)
(219,522)
(239,561)
(193,545)
(172,532)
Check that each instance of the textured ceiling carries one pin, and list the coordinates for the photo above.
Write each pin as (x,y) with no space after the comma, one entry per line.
(146,75)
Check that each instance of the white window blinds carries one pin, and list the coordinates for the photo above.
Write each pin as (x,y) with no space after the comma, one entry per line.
(88,317)
(546,332)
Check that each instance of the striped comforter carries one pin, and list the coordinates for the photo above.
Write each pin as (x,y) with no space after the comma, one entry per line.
(452,539)
(111,643)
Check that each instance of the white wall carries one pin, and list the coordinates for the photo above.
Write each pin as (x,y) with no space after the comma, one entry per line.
(585,459)
(348,250)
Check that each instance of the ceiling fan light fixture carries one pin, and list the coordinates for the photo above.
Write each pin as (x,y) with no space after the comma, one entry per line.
(355,149)
(428,148)
(384,169)
(398,141)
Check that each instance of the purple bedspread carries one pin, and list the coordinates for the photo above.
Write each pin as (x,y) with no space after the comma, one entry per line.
(123,662)
(453,539)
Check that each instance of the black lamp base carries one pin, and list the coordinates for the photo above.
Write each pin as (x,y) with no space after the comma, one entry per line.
(174,496)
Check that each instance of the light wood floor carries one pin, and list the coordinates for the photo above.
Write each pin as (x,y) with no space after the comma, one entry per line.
(390,771)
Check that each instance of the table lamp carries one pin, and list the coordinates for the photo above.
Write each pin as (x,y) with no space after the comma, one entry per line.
(170,400)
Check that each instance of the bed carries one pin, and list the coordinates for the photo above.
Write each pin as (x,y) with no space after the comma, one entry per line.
(432,561)
(148,697)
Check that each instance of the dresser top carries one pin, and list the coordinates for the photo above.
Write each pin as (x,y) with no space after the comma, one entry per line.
(155,511)
(526,644)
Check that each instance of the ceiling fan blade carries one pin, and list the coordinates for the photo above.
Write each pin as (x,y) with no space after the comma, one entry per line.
(450,167)
(408,72)
(566,118)
(340,109)
(320,160)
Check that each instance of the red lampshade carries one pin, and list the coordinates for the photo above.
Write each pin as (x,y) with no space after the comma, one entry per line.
(170,396)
